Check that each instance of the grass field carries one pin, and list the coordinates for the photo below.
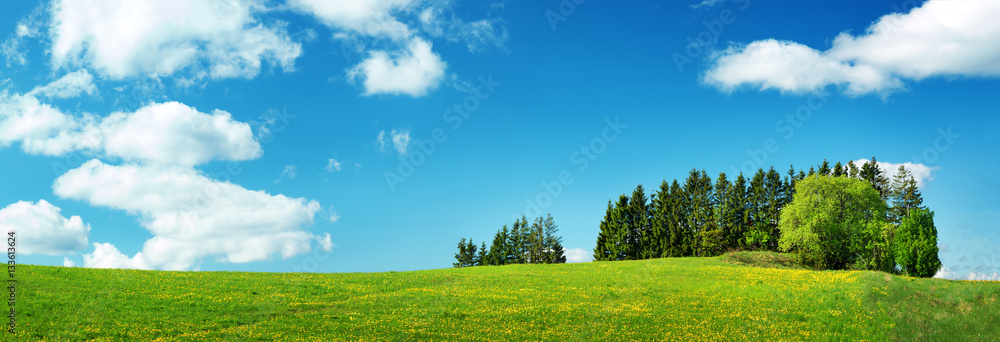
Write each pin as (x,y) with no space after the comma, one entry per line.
(684,299)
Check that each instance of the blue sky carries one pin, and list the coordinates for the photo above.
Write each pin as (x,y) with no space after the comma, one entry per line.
(372,135)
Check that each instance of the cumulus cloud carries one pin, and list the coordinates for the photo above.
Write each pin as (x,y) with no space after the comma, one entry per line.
(940,38)
(191,216)
(125,38)
(68,263)
(401,140)
(168,133)
(106,255)
(68,86)
(41,228)
(578,255)
(367,17)
(413,71)
(921,173)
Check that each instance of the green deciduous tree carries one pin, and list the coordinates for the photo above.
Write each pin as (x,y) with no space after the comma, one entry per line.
(831,222)
(916,244)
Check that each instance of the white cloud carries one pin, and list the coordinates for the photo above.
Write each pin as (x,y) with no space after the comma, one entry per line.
(401,140)
(577,255)
(288,172)
(106,255)
(939,38)
(477,35)
(982,276)
(707,3)
(368,17)
(921,173)
(333,165)
(125,38)
(41,229)
(326,243)
(168,133)
(380,141)
(191,216)
(177,134)
(793,67)
(40,128)
(68,263)
(414,71)
(68,86)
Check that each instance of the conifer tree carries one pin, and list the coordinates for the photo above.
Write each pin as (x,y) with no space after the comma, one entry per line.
(698,187)
(824,169)
(638,223)
(904,195)
(554,253)
(618,243)
(679,209)
(466,256)
(852,170)
(774,201)
(716,240)
(838,170)
(601,250)
(872,173)
(499,251)
(741,220)
(656,243)
(757,233)
(481,258)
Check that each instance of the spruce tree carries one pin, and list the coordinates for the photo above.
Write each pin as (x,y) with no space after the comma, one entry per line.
(638,223)
(716,240)
(679,209)
(698,188)
(740,219)
(466,256)
(757,231)
(499,252)
(656,243)
(481,258)
(824,169)
(601,250)
(852,170)
(873,173)
(904,195)
(838,170)
(554,253)
(774,201)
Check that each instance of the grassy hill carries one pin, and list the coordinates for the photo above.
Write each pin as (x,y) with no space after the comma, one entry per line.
(712,299)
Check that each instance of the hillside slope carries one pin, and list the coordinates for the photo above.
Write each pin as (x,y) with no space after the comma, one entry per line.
(663,299)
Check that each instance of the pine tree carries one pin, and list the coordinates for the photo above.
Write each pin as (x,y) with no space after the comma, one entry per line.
(740,219)
(481,258)
(812,171)
(698,188)
(852,170)
(656,243)
(774,201)
(554,253)
(904,195)
(679,209)
(619,243)
(601,250)
(824,169)
(499,252)
(838,170)
(466,256)
(716,240)
(873,173)
(756,232)
(638,223)
(536,242)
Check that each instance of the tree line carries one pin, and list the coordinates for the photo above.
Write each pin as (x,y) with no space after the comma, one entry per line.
(523,243)
(700,217)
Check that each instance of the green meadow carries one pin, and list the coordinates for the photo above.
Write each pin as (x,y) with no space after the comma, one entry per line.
(735,297)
